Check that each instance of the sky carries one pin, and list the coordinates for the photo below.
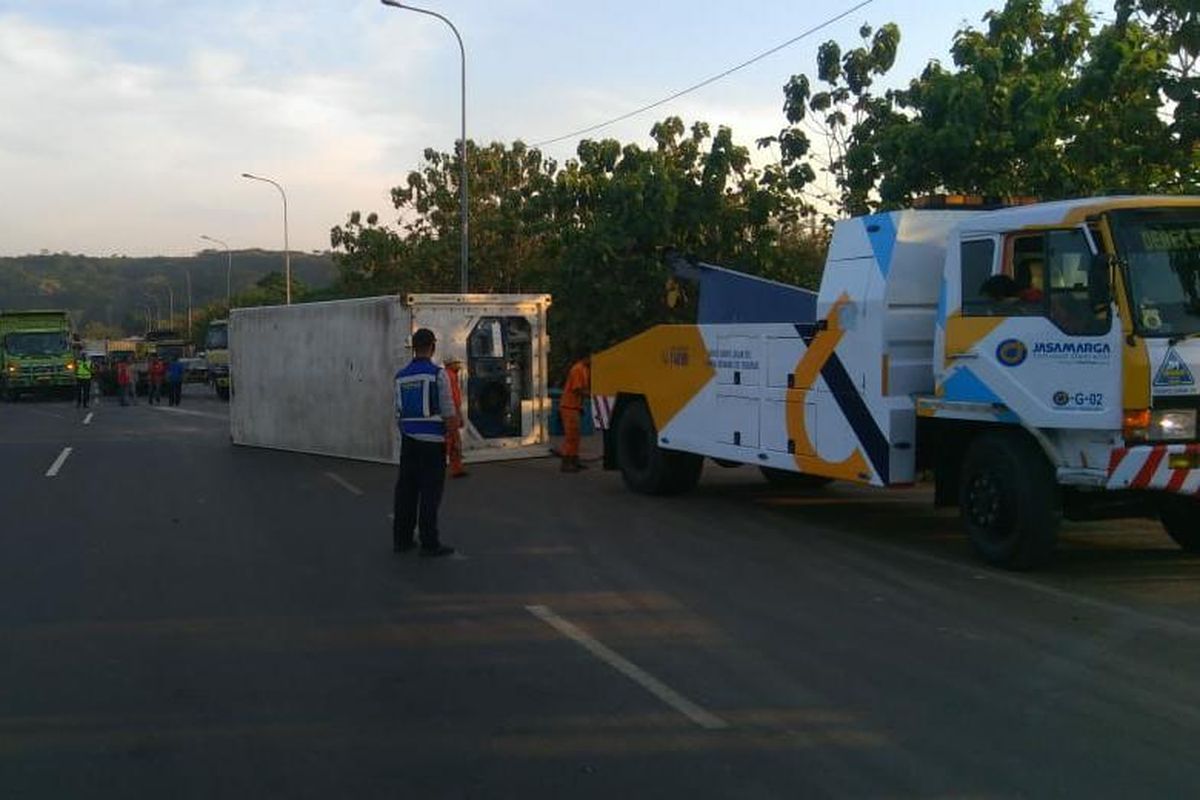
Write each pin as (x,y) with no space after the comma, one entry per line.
(125,125)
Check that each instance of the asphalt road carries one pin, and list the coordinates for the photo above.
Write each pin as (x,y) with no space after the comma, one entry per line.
(182,618)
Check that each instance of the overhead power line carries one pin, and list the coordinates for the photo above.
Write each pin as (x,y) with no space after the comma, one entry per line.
(707,81)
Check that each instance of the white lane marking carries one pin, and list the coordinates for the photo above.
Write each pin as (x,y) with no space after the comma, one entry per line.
(88,419)
(695,713)
(58,462)
(345,484)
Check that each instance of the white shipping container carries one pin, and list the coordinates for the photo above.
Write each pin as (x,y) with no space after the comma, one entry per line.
(318,377)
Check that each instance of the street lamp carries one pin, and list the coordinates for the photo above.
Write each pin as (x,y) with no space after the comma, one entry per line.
(287,255)
(228,269)
(463,140)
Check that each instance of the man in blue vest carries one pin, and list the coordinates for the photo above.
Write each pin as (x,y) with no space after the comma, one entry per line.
(424,409)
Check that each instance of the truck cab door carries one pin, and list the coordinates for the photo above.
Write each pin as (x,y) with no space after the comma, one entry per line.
(1027,341)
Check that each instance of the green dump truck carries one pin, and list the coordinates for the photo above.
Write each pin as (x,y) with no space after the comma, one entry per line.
(35,353)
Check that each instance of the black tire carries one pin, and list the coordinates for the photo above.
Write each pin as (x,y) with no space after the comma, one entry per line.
(786,479)
(1179,515)
(1009,501)
(645,467)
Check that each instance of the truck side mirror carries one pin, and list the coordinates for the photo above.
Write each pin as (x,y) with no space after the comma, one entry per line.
(1100,282)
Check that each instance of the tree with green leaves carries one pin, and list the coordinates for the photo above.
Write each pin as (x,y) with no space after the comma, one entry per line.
(1039,102)
(836,115)
(591,232)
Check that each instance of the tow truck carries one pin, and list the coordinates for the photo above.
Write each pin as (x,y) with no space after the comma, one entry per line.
(1038,360)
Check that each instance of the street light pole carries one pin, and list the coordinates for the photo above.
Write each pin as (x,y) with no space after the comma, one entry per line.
(228,269)
(188,274)
(287,255)
(463,138)
(157,310)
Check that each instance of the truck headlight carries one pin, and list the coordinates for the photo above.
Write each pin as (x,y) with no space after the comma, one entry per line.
(1167,425)
(1173,425)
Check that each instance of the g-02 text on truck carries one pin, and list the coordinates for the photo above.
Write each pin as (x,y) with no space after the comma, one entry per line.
(1041,360)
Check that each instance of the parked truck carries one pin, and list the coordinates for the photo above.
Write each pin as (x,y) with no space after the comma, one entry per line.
(216,359)
(36,355)
(1039,361)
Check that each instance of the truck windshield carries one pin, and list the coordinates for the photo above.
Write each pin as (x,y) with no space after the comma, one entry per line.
(1161,251)
(36,344)
(218,338)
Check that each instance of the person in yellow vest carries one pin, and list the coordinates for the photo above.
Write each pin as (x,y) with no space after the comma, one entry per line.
(83,381)
(576,392)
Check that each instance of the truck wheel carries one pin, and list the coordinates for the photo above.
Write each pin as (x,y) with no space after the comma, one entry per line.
(1179,516)
(786,479)
(645,467)
(1009,501)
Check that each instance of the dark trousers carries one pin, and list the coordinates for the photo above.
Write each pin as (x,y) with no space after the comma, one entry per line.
(174,393)
(419,491)
(83,392)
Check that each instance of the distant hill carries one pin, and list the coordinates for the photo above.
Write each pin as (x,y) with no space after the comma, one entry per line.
(117,290)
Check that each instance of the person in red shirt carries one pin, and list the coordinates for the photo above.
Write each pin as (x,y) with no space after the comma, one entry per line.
(125,381)
(1034,281)
(454,433)
(576,392)
(158,373)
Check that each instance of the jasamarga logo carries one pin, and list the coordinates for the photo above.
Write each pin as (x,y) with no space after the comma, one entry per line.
(1072,349)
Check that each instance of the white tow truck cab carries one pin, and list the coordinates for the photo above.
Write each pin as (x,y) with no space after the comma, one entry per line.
(1041,360)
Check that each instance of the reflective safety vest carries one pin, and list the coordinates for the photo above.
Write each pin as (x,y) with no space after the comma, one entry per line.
(83,369)
(418,408)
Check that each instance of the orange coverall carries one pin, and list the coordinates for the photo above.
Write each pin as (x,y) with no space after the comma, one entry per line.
(453,433)
(570,408)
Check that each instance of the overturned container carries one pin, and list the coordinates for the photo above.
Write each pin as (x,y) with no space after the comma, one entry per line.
(318,377)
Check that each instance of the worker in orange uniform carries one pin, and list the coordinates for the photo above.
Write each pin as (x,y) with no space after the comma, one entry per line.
(570,409)
(454,434)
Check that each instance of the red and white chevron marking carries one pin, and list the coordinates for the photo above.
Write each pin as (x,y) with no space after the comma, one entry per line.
(1148,467)
(602,411)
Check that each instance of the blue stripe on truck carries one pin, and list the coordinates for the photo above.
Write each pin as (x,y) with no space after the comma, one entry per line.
(858,415)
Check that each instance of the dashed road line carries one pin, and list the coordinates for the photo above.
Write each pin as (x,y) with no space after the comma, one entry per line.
(705,719)
(58,462)
(88,419)
(345,484)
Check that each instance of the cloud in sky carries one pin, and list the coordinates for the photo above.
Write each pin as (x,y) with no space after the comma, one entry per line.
(127,123)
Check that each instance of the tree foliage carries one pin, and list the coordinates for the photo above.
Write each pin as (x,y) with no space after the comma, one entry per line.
(837,115)
(1039,102)
(1041,99)
(117,291)
(591,231)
